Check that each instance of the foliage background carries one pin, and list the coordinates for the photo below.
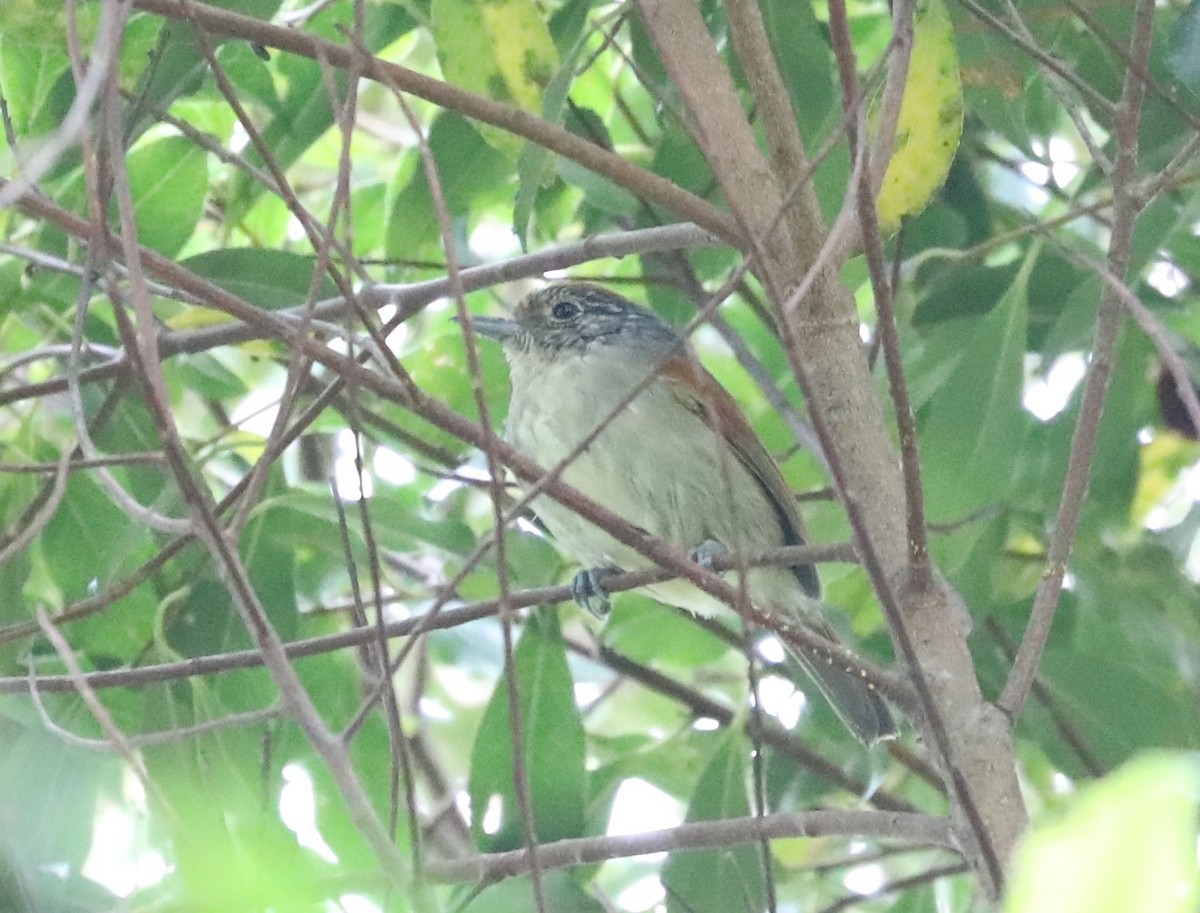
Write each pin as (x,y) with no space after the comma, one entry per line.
(145,748)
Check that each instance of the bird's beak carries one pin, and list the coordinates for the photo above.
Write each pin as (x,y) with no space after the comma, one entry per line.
(499,328)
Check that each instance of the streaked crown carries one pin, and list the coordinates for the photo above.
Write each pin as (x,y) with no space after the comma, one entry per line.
(576,316)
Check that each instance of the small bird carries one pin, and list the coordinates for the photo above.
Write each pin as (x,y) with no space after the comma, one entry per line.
(680,461)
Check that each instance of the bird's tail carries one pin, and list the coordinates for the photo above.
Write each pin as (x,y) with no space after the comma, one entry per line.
(854,700)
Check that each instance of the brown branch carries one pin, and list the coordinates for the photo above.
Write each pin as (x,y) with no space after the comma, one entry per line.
(520,774)
(114,736)
(884,293)
(1066,728)
(900,884)
(507,117)
(448,618)
(824,351)
(917,828)
(76,463)
(789,161)
(151,739)
(1099,374)
(769,732)
(141,340)
(408,298)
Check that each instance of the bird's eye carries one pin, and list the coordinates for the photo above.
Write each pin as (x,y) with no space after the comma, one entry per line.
(565,310)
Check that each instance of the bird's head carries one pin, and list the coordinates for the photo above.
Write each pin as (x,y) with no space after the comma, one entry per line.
(577,318)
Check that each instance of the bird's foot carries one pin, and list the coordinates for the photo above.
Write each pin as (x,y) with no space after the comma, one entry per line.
(588,591)
(707,552)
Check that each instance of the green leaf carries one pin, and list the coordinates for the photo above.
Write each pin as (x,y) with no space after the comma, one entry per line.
(230,850)
(249,74)
(29,74)
(177,66)
(805,59)
(207,376)
(679,158)
(502,50)
(955,290)
(535,162)
(598,190)
(168,179)
(305,113)
(89,540)
(515,895)
(470,170)
(43,782)
(728,880)
(552,747)
(310,518)
(1184,56)
(1118,707)
(1127,842)
(271,564)
(647,631)
(269,279)
(32,23)
(1129,407)
(973,422)
(441,368)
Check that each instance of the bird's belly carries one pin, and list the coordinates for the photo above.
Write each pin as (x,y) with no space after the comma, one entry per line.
(621,470)
(658,466)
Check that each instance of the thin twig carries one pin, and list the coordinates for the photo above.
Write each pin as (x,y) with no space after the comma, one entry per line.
(73,463)
(884,292)
(924,829)
(408,299)
(115,737)
(1095,386)
(228,564)
(921,591)
(900,884)
(1065,726)
(507,117)
(449,618)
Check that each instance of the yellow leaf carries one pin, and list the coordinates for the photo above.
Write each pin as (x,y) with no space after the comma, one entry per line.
(930,123)
(501,49)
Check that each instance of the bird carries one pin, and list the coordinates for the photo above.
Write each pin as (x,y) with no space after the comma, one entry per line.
(679,461)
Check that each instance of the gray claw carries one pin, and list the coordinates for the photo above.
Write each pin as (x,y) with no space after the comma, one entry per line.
(707,552)
(588,590)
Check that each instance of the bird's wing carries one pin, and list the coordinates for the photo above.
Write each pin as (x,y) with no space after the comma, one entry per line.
(703,394)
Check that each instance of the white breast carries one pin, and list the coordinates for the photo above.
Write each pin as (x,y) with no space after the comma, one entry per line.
(656,464)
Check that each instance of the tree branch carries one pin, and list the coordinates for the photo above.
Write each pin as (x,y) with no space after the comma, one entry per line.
(922,829)
(1126,208)
(408,298)
(449,618)
(824,351)
(643,183)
